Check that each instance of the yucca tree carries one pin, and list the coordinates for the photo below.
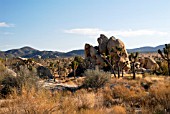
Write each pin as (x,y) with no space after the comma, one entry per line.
(166,55)
(52,67)
(74,66)
(109,61)
(133,58)
(124,65)
(115,56)
(59,68)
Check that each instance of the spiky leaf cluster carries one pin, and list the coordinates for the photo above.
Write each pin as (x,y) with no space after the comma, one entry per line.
(74,64)
(133,56)
(166,52)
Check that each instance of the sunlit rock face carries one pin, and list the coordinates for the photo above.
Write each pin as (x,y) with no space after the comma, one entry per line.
(106,47)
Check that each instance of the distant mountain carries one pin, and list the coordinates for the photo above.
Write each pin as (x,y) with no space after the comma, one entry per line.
(28,52)
(146,49)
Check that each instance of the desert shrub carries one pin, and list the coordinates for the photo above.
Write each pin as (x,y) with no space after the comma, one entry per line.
(24,77)
(159,97)
(164,68)
(81,65)
(118,110)
(28,77)
(8,83)
(108,99)
(79,59)
(2,68)
(85,101)
(96,79)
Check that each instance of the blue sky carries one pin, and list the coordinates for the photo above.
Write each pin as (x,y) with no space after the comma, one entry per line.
(64,25)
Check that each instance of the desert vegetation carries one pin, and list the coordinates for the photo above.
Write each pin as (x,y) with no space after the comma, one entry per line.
(106,80)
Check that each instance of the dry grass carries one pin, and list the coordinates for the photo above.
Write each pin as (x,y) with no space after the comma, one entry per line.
(118,110)
(119,96)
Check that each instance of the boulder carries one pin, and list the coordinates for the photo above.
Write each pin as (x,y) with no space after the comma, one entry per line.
(10,72)
(44,72)
(93,52)
(87,50)
(95,55)
(102,40)
(113,43)
(148,63)
(100,61)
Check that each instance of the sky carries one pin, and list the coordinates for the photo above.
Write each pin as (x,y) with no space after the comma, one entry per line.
(65,25)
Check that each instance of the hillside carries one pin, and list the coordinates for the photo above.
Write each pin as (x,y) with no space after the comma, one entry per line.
(146,49)
(29,52)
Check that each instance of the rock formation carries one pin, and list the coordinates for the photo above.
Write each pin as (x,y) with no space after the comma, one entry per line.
(148,63)
(112,44)
(102,40)
(98,55)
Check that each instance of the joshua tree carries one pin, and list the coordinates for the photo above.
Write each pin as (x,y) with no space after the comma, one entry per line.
(166,55)
(117,54)
(52,67)
(108,61)
(74,66)
(124,65)
(59,68)
(29,63)
(133,57)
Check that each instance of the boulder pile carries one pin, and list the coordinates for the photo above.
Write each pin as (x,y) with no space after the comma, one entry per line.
(109,52)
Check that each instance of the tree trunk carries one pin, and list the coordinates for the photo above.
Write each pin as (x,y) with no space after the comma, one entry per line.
(133,70)
(118,70)
(169,67)
(122,72)
(59,72)
(54,78)
(112,68)
(74,74)
(112,71)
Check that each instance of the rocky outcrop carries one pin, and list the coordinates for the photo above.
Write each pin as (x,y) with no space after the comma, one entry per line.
(98,55)
(112,44)
(44,72)
(102,40)
(148,63)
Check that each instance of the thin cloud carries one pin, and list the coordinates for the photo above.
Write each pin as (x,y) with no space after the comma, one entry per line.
(85,31)
(4,24)
(6,33)
(5,46)
(122,33)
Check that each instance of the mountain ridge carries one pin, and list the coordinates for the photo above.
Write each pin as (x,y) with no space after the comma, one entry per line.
(29,52)
(145,49)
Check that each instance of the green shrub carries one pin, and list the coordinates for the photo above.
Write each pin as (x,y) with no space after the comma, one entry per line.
(96,79)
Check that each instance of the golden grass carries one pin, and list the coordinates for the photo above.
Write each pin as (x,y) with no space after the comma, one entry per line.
(116,100)
(118,110)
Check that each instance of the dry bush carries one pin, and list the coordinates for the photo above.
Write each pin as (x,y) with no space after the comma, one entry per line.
(159,99)
(135,94)
(96,79)
(108,99)
(31,101)
(164,68)
(119,99)
(24,77)
(118,110)
(2,67)
(93,111)
(39,102)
